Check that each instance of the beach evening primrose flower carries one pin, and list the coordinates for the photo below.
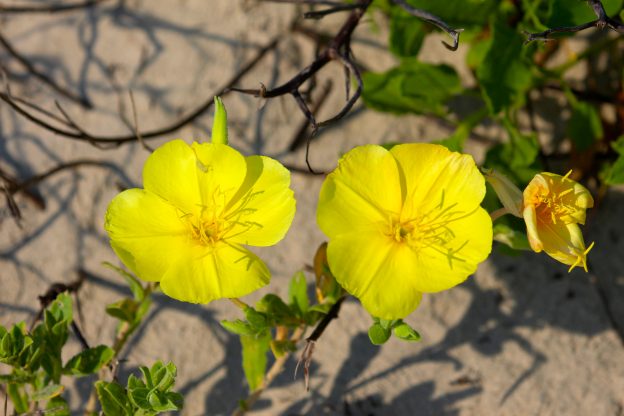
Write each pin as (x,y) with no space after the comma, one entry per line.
(552,206)
(402,222)
(200,206)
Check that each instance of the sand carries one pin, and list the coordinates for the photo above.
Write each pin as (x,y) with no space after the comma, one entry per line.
(521,337)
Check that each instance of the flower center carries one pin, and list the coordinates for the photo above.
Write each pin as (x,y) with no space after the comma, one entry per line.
(220,220)
(431,230)
(549,205)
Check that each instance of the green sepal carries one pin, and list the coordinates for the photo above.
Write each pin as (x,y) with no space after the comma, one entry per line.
(219,125)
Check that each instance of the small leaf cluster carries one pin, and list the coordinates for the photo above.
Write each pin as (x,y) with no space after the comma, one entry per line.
(146,396)
(270,324)
(36,362)
(130,311)
(381,330)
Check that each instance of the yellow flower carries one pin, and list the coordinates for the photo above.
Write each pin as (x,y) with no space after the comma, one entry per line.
(403,222)
(554,205)
(200,205)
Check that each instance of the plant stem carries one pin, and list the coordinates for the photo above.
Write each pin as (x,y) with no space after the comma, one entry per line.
(275,369)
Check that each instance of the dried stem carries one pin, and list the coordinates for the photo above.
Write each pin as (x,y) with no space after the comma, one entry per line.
(71,130)
(42,77)
(601,22)
(434,20)
(53,8)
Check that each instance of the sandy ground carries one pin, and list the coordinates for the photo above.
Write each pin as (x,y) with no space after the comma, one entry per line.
(521,337)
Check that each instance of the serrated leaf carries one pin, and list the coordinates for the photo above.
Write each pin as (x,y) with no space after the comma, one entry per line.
(504,74)
(238,327)
(406,333)
(113,399)
(89,361)
(47,392)
(254,352)
(584,126)
(378,334)
(298,293)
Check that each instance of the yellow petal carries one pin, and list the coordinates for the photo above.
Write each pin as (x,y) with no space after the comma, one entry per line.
(205,274)
(443,267)
(530,219)
(171,173)
(376,270)
(436,176)
(146,232)
(563,242)
(220,173)
(574,196)
(361,194)
(264,206)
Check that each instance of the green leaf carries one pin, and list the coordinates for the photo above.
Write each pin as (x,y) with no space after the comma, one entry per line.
(618,145)
(517,158)
(18,397)
(113,399)
(298,293)
(255,350)
(406,332)
(615,172)
(61,308)
(458,13)
(163,376)
(515,239)
(573,13)
(57,406)
(378,334)
(125,310)
(412,87)
(89,361)
(455,142)
(406,34)
(162,402)
(135,284)
(138,397)
(47,392)
(257,320)
(273,306)
(504,74)
(279,348)
(238,327)
(584,126)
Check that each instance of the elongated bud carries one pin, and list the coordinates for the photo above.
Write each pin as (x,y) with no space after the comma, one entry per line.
(508,193)
(219,125)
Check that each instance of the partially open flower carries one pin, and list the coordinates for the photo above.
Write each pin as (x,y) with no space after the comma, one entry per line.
(554,205)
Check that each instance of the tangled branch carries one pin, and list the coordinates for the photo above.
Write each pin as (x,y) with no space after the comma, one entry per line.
(602,21)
